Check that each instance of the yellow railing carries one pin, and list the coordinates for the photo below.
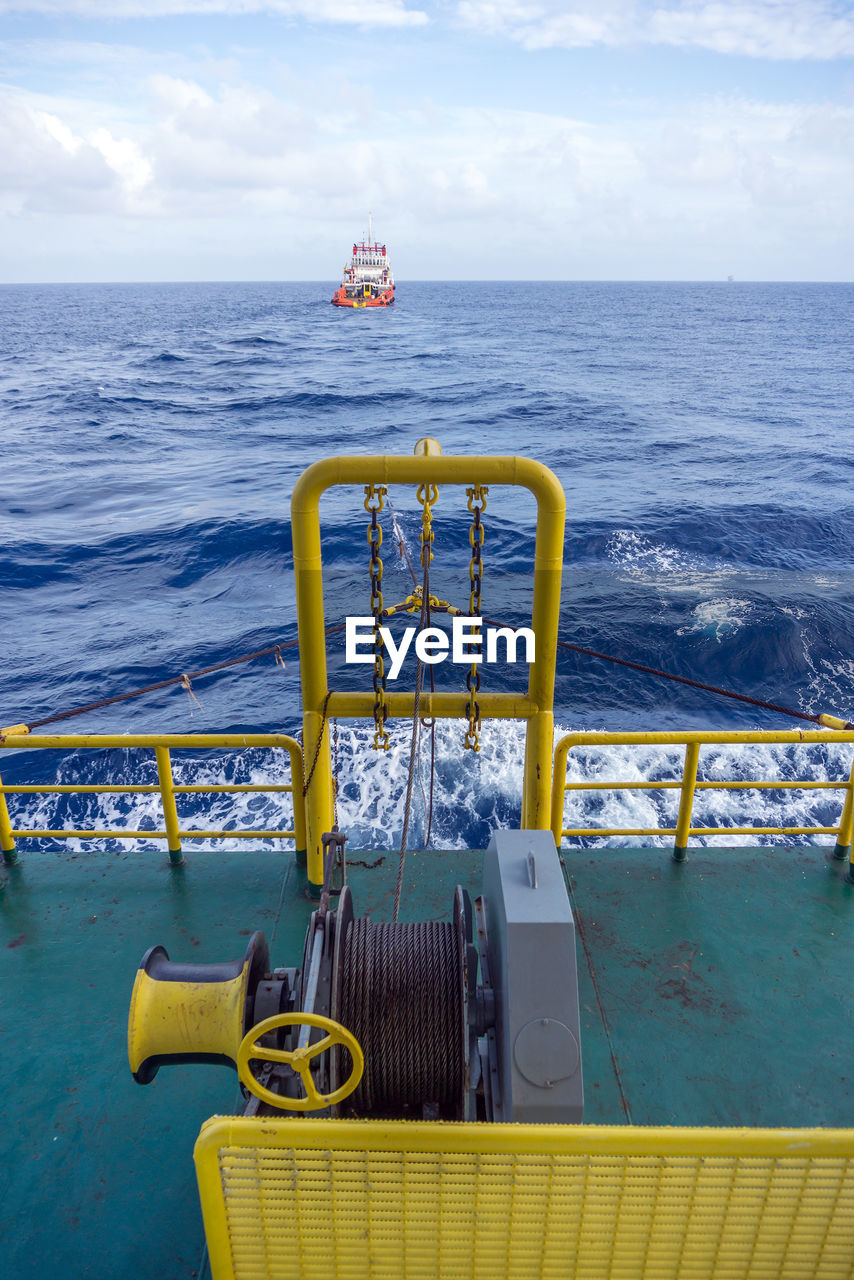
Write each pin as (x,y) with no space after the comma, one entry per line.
(390,1199)
(168,789)
(688,785)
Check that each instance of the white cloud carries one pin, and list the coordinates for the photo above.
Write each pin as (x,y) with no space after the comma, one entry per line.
(369,13)
(736,155)
(175,94)
(47,165)
(782,29)
(125,159)
(56,129)
(238,141)
(524,193)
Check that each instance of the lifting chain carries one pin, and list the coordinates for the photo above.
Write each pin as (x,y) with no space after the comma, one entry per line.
(477,504)
(324,716)
(374,503)
(427,495)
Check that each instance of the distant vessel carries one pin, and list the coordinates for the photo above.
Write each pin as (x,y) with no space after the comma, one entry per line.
(367,279)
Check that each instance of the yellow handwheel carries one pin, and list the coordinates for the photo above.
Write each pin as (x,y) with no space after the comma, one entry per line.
(299,1060)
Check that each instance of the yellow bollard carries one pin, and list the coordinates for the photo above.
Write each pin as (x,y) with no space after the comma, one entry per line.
(427,447)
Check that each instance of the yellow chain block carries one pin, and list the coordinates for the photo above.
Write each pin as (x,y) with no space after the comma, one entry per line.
(412,604)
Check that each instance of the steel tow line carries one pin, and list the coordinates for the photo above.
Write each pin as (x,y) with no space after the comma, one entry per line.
(428,494)
(275,649)
(411,603)
(477,504)
(826,721)
(374,503)
(829,722)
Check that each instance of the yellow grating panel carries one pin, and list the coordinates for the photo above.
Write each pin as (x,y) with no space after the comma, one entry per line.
(390,1200)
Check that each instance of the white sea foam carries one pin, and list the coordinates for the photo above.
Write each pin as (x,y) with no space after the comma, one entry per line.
(719,618)
(830,687)
(643,559)
(473,793)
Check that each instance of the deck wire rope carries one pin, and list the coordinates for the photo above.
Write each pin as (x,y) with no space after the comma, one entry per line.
(413,749)
(401,996)
(427,723)
(829,722)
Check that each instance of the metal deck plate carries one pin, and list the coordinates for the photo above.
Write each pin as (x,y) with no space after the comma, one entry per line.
(714,993)
(98,1177)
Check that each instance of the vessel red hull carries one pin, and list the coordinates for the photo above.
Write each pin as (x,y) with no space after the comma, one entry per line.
(384,299)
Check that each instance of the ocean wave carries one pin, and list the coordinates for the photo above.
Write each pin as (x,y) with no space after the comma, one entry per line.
(166,357)
(153,435)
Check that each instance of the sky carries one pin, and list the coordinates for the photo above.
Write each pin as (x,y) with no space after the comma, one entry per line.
(155,140)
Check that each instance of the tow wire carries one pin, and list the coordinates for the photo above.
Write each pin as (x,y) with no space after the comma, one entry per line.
(182,680)
(829,722)
(826,721)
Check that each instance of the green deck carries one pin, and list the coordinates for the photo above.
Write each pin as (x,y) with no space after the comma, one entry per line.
(714,992)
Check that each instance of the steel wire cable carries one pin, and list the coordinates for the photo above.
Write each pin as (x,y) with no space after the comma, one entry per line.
(179,680)
(413,749)
(401,996)
(815,718)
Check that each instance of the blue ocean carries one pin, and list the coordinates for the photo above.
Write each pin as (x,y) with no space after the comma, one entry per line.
(152,436)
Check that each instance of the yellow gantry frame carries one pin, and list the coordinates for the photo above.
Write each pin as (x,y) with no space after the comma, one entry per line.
(166,786)
(535,707)
(689,785)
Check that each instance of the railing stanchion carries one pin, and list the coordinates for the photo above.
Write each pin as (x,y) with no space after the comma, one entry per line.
(296,760)
(7,843)
(559,788)
(170,813)
(843,837)
(686,801)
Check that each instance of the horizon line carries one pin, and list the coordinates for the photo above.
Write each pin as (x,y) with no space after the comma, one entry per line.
(321,282)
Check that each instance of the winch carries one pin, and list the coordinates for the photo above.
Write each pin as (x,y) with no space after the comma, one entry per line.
(471,1019)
